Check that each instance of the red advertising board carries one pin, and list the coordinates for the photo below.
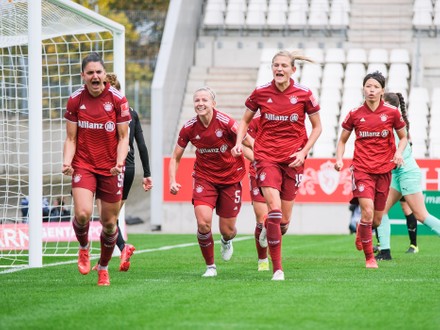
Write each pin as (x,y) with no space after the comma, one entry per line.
(321,182)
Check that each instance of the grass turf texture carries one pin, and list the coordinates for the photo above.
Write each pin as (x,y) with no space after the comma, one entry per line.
(327,287)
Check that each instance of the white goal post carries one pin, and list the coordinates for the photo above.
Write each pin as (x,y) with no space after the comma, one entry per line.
(40,65)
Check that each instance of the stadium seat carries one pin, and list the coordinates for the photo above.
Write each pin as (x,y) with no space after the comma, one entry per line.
(330,95)
(435,97)
(297,19)
(267,55)
(354,74)
(276,20)
(341,5)
(339,20)
(422,20)
(418,95)
(423,5)
(234,19)
(378,55)
(399,55)
(335,55)
(316,54)
(213,19)
(318,19)
(381,67)
(260,5)
(335,70)
(356,55)
(329,82)
(219,5)
(320,5)
(255,20)
(264,74)
(278,5)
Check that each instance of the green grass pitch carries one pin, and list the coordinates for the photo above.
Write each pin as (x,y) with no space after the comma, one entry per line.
(327,287)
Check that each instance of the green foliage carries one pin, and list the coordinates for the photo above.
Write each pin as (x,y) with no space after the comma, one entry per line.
(327,287)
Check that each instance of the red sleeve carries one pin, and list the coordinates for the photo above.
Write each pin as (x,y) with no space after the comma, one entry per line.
(71,113)
(122,111)
(399,123)
(347,124)
(251,102)
(311,104)
(182,140)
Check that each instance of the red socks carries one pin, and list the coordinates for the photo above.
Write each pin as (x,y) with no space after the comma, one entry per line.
(274,238)
(206,243)
(365,233)
(81,232)
(108,242)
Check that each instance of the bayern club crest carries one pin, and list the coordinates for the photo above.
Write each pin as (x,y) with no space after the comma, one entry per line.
(219,133)
(77,178)
(361,187)
(262,176)
(255,191)
(199,189)
(293,100)
(384,117)
(108,106)
(328,178)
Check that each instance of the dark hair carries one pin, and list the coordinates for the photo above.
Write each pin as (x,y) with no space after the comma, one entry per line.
(376,76)
(398,101)
(112,78)
(92,57)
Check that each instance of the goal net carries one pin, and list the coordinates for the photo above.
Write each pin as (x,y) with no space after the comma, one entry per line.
(69,33)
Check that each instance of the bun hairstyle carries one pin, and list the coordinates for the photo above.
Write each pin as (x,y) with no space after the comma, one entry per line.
(206,89)
(112,79)
(378,76)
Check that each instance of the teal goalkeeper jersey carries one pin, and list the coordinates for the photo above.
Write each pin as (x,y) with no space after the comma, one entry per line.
(409,162)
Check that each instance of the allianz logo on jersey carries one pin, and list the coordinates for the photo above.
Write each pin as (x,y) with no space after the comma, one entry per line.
(108,126)
(383,134)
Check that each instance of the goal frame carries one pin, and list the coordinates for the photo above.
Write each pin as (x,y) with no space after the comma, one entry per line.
(35,105)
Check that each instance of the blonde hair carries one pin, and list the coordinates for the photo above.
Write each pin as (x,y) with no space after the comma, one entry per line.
(206,89)
(112,79)
(294,56)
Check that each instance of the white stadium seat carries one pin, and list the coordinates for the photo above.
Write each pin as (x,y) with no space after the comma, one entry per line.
(399,55)
(335,55)
(356,55)
(213,19)
(378,55)
(255,20)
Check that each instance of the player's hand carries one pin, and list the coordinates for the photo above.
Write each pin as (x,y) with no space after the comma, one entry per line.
(117,169)
(339,164)
(398,159)
(298,159)
(237,151)
(67,169)
(147,183)
(174,188)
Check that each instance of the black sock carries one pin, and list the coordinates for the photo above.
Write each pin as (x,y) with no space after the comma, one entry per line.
(411,223)
(120,242)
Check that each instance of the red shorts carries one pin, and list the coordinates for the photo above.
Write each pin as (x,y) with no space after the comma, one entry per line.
(107,188)
(281,177)
(256,195)
(226,198)
(372,186)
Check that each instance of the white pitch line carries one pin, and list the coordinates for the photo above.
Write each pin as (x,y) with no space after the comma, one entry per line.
(162,248)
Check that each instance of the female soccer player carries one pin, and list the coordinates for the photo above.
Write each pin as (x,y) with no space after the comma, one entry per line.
(281,144)
(95,149)
(217,174)
(375,155)
(406,182)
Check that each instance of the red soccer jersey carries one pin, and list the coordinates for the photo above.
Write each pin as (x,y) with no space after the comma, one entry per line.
(214,161)
(252,131)
(282,129)
(97,135)
(374,144)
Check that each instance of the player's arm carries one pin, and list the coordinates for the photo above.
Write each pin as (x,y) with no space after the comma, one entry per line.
(242,131)
(340,149)
(172,170)
(403,141)
(147,181)
(122,148)
(300,156)
(69,147)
